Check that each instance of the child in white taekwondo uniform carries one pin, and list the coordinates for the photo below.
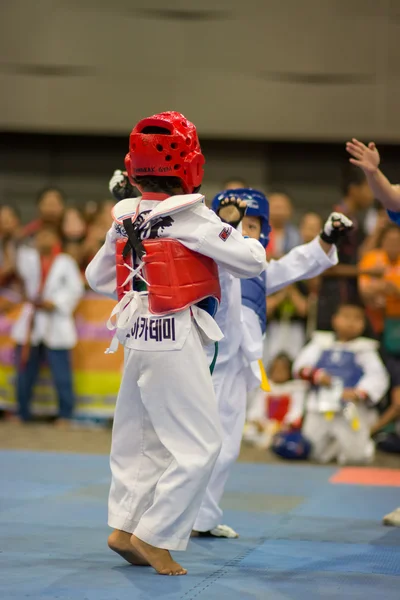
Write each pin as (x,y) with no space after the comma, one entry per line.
(46,328)
(166,435)
(237,370)
(347,379)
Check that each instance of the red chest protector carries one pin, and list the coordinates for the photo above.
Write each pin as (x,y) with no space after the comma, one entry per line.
(176,276)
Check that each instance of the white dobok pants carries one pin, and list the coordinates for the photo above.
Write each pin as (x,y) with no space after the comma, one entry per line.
(335,438)
(230,390)
(166,440)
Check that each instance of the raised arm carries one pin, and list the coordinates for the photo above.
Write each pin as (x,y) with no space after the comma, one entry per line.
(368,159)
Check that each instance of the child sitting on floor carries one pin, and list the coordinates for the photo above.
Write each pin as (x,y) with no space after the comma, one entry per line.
(347,379)
(281,408)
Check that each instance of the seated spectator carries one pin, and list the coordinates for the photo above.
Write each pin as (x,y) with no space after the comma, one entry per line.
(51,205)
(45,328)
(339,284)
(284,235)
(73,231)
(282,407)
(347,379)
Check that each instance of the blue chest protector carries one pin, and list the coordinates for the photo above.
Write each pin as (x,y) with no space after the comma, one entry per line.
(342,364)
(254,293)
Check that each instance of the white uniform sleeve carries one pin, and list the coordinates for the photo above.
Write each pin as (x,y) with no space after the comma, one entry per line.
(101,271)
(202,230)
(375,381)
(308,357)
(67,297)
(303,262)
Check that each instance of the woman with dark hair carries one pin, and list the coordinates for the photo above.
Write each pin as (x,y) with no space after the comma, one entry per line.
(51,205)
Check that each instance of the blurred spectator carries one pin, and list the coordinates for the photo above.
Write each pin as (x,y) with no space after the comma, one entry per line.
(90,210)
(292,311)
(282,407)
(235,184)
(347,379)
(104,214)
(382,294)
(97,231)
(373,238)
(382,297)
(51,205)
(10,227)
(73,231)
(310,226)
(339,284)
(284,235)
(45,328)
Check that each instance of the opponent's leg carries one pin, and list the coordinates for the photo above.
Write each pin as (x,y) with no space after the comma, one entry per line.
(230,387)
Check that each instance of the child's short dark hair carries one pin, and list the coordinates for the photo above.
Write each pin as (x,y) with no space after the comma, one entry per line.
(284,357)
(351,175)
(158,185)
(357,305)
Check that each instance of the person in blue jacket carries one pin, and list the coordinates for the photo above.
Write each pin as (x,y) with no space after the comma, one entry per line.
(368,159)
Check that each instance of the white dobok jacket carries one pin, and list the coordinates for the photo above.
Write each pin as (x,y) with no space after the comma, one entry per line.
(63,288)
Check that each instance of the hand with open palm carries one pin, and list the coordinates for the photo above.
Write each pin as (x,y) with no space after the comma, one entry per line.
(365,157)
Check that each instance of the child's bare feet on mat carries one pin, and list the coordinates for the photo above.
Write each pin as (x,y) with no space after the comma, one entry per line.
(120,542)
(160,559)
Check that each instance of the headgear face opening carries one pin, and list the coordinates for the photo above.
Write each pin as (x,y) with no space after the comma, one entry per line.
(174,154)
(257,206)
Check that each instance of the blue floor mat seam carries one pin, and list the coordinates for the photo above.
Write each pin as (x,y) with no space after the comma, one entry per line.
(221,572)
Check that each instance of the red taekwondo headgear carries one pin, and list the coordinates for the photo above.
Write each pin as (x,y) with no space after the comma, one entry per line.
(173,154)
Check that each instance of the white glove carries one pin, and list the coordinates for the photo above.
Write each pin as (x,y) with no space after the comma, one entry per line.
(336,226)
(121,187)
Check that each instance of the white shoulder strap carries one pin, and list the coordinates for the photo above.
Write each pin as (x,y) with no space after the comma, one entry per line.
(125,209)
(325,339)
(174,204)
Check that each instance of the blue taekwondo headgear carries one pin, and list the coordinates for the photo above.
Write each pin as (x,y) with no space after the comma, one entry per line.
(291,445)
(257,206)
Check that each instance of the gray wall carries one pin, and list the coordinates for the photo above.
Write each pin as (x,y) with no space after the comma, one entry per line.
(254,69)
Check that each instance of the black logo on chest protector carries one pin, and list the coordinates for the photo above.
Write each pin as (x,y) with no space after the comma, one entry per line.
(154,228)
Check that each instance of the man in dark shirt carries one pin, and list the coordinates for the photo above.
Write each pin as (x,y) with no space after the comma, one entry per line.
(340,284)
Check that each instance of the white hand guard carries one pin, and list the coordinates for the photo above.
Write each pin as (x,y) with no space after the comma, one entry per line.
(336,226)
(121,187)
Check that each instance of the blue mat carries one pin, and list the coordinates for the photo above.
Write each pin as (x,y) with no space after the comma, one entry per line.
(301,537)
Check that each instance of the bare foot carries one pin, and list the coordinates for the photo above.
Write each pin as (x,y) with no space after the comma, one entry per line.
(160,559)
(120,542)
